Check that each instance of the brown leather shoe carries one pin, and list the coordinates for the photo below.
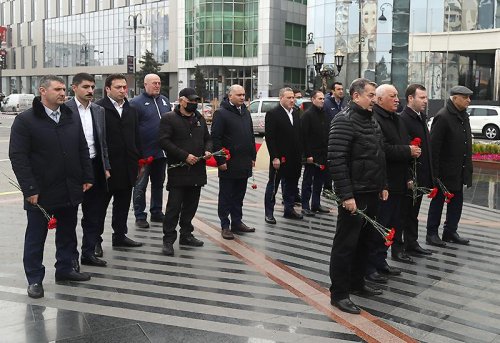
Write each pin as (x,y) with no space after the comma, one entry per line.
(227,234)
(242,228)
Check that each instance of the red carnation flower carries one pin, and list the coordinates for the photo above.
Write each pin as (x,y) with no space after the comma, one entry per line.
(390,234)
(322,167)
(283,159)
(227,154)
(145,161)
(149,160)
(433,193)
(416,141)
(52,224)
(254,186)
(388,243)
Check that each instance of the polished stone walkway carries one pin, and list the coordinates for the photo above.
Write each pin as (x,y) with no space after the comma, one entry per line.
(269,286)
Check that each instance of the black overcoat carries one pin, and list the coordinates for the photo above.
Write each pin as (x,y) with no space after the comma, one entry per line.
(48,158)
(315,126)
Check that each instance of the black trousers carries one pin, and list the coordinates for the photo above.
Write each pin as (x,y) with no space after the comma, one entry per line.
(34,242)
(389,215)
(93,210)
(453,213)
(289,185)
(231,195)
(181,207)
(409,220)
(351,244)
(121,207)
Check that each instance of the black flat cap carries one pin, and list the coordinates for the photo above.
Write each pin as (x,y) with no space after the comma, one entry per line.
(189,93)
(460,90)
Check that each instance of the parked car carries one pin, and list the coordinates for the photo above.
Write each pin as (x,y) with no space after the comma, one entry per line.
(17,102)
(484,120)
(206,111)
(258,109)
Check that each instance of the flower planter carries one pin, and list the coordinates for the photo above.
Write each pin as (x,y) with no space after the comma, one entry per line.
(486,165)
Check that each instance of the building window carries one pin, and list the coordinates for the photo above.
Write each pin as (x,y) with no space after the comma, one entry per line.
(294,77)
(33,57)
(304,2)
(295,35)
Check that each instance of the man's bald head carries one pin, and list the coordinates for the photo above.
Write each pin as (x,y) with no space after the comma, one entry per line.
(152,84)
(236,95)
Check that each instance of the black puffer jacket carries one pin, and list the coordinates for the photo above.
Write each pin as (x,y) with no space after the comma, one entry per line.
(180,136)
(396,148)
(356,157)
(451,143)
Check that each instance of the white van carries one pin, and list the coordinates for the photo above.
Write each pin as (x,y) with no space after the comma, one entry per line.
(17,102)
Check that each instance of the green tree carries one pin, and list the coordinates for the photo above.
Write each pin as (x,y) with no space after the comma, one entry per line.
(199,82)
(149,65)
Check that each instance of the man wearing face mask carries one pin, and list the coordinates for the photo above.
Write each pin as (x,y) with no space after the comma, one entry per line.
(184,136)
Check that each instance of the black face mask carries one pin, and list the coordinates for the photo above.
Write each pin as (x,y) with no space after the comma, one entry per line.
(190,107)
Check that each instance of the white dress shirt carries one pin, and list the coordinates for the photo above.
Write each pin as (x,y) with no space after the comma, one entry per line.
(88,127)
(51,115)
(289,114)
(118,107)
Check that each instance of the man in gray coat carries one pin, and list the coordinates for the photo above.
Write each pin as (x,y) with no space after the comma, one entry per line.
(94,128)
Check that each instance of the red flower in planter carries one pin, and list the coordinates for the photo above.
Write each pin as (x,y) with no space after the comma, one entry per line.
(433,193)
(416,141)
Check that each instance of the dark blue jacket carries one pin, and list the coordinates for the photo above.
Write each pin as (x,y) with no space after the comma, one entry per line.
(50,159)
(234,131)
(149,112)
(331,107)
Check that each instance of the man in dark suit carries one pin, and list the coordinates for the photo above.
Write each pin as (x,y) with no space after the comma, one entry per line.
(94,128)
(232,129)
(50,158)
(122,134)
(414,119)
(284,143)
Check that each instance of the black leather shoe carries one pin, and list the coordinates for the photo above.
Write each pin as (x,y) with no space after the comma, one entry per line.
(35,291)
(376,277)
(346,305)
(293,215)
(367,291)
(418,251)
(453,237)
(388,270)
(435,241)
(321,209)
(98,250)
(308,213)
(242,227)
(157,218)
(168,249)
(142,223)
(192,241)
(72,276)
(93,261)
(401,256)
(126,242)
(227,234)
(270,220)
(76,265)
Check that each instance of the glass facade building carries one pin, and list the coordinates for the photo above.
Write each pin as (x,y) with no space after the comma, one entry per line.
(258,44)
(382,46)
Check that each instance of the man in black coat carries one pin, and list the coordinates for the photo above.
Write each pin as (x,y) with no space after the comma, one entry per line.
(183,134)
(315,126)
(284,143)
(94,128)
(232,129)
(50,158)
(357,162)
(451,143)
(398,154)
(414,119)
(122,135)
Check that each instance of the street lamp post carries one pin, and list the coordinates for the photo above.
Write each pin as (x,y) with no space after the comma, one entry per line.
(135,22)
(319,66)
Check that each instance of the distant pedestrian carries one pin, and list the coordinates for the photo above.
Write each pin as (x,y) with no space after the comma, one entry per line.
(50,158)
(150,106)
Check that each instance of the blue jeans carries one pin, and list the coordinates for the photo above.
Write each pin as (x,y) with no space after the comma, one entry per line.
(312,183)
(156,172)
